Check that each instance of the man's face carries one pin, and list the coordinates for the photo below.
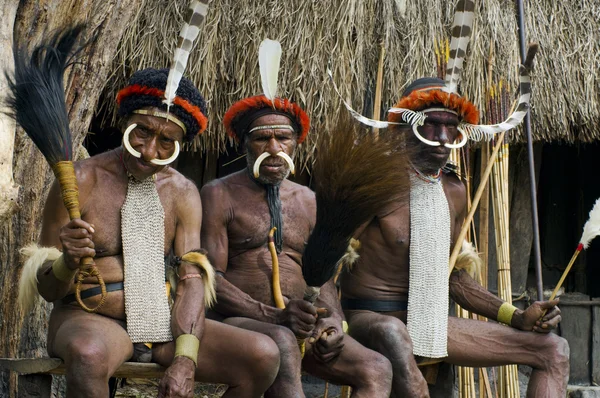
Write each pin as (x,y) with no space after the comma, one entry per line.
(154,138)
(439,127)
(273,169)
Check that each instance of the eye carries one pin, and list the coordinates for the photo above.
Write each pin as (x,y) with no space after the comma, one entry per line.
(142,132)
(167,140)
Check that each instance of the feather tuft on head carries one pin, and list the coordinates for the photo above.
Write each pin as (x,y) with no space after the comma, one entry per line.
(269,57)
(189,32)
(591,229)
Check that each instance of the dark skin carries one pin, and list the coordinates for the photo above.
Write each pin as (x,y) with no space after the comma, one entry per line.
(93,346)
(382,273)
(235,227)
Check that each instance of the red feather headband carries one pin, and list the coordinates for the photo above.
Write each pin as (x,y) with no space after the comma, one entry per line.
(190,108)
(243,107)
(423,99)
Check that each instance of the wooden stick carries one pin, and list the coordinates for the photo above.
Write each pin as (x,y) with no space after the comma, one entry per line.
(467,222)
(564,275)
(378,90)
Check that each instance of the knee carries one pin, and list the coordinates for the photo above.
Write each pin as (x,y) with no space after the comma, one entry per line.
(87,360)
(558,352)
(265,361)
(391,335)
(285,339)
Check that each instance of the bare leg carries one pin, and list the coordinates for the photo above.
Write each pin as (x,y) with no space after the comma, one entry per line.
(388,335)
(247,362)
(287,383)
(366,371)
(482,344)
(92,346)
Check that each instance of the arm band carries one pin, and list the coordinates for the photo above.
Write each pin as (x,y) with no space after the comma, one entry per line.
(505,313)
(187,345)
(61,271)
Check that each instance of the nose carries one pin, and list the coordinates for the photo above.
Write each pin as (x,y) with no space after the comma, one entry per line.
(148,150)
(273,147)
(443,136)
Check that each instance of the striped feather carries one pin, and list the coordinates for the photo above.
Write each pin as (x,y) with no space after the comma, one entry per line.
(461,34)
(189,32)
(486,132)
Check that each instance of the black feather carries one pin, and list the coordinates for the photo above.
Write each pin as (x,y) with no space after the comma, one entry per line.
(36,98)
(354,181)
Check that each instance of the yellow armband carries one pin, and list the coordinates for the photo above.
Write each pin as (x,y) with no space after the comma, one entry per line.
(187,345)
(505,313)
(61,271)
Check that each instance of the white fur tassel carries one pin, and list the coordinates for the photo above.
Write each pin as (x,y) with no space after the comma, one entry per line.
(269,57)
(189,33)
(591,228)
(469,260)
(35,256)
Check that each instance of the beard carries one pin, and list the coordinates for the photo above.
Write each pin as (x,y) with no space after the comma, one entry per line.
(271,179)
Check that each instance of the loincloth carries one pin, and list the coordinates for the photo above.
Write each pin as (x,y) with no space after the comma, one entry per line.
(374,305)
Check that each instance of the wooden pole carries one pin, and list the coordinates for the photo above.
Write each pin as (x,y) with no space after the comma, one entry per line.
(378,90)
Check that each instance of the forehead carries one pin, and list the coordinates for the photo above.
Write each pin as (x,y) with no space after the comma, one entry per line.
(442,117)
(271,119)
(157,124)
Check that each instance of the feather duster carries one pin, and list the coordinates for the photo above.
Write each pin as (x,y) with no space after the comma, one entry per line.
(461,34)
(354,181)
(269,57)
(189,33)
(591,229)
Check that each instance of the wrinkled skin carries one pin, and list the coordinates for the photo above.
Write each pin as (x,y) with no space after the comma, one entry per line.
(93,346)
(382,273)
(235,229)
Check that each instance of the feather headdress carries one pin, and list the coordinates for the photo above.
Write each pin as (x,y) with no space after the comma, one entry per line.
(189,32)
(269,58)
(411,109)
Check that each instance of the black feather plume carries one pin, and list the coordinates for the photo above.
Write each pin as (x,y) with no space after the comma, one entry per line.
(354,181)
(36,98)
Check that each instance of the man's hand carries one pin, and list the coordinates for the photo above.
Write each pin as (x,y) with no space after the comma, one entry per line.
(327,339)
(529,319)
(76,240)
(299,316)
(178,380)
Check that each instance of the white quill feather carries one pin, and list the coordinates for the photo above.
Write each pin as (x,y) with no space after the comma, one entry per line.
(591,229)
(189,32)
(269,57)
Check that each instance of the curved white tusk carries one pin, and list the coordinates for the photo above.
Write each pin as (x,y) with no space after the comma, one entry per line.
(289,161)
(164,162)
(127,144)
(462,142)
(423,139)
(257,163)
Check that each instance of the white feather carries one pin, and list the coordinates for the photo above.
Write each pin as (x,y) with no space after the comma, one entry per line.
(35,256)
(269,57)
(591,229)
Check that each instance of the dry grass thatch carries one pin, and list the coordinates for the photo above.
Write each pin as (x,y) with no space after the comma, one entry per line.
(349,32)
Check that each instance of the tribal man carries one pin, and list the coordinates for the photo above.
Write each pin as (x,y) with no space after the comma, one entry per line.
(137,211)
(396,295)
(239,211)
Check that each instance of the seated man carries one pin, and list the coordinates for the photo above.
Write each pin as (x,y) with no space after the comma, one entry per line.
(394,284)
(239,212)
(135,211)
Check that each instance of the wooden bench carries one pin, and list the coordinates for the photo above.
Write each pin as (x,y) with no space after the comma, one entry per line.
(35,375)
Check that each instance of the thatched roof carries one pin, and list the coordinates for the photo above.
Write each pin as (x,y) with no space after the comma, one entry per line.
(349,32)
